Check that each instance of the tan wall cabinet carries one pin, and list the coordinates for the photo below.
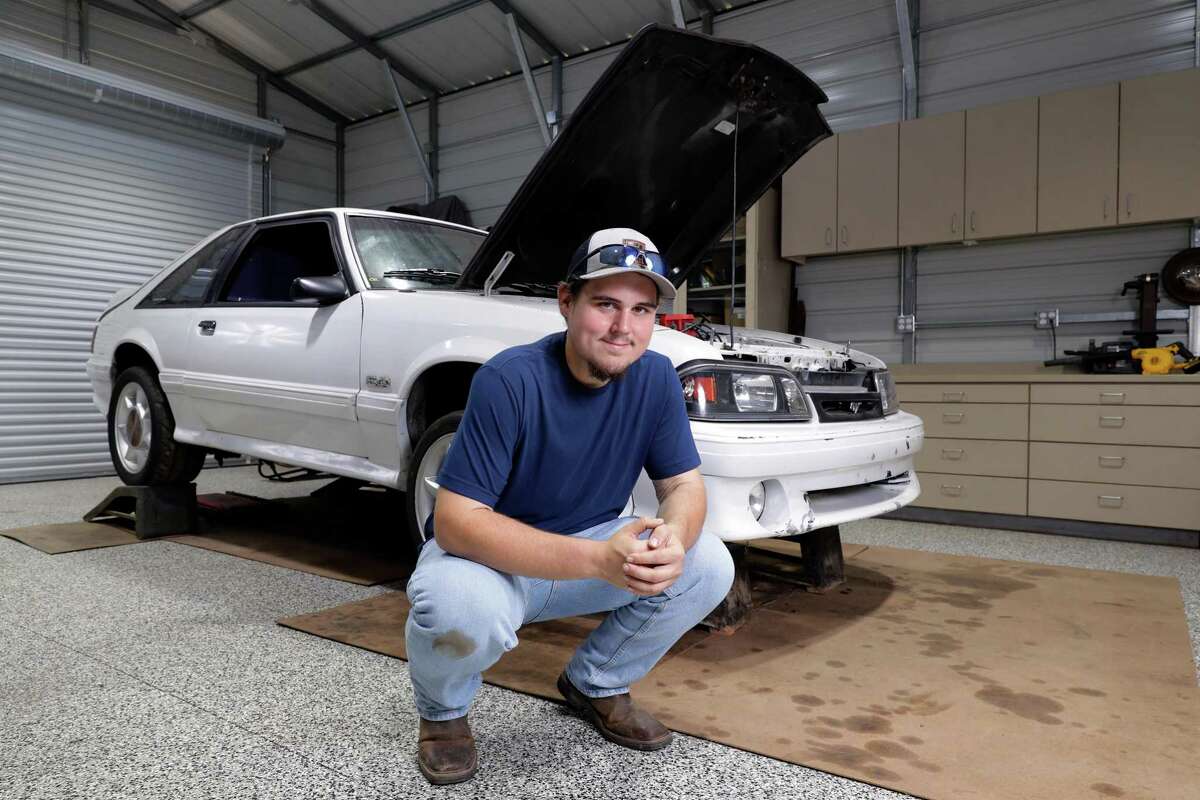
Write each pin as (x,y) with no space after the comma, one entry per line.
(1120,450)
(809,219)
(768,277)
(1160,147)
(1077,159)
(867,176)
(1001,169)
(931,179)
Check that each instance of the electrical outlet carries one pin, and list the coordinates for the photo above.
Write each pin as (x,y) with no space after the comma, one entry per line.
(906,323)
(1046,319)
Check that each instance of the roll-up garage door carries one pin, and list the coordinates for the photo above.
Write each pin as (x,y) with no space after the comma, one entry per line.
(95,196)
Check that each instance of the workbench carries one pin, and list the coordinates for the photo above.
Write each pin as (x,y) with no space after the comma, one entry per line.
(1054,450)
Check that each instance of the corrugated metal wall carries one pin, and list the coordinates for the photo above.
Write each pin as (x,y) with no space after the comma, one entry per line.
(304,172)
(92,199)
(976,52)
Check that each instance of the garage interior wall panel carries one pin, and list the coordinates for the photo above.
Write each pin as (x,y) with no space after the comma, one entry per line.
(982,52)
(852,298)
(172,61)
(849,47)
(92,199)
(382,168)
(304,171)
(48,26)
(1013,279)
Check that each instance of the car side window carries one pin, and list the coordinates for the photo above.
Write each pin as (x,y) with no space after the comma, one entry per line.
(275,257)
(189,283)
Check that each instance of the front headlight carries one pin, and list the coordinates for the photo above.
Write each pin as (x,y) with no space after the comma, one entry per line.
(885,384)
(719,390)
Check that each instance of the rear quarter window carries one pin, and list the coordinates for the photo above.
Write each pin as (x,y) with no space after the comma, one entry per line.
(188,284)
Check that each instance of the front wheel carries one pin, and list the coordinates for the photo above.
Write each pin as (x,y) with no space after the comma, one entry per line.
(422,486)
(141,431)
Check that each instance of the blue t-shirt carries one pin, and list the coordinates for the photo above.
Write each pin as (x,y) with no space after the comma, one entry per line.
(537,445)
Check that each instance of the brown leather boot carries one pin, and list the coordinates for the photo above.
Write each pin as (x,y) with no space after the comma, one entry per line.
(446,751)
(617,718)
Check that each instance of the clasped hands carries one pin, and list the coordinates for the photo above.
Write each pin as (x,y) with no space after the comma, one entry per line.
(643,566)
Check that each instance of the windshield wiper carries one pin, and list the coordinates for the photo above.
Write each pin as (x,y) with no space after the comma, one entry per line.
(432,275)
(531,288)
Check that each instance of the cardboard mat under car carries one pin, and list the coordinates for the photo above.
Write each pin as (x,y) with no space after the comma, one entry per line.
(940,676)
(355,538)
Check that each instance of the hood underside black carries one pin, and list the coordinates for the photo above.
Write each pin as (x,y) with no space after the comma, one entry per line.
(643,151)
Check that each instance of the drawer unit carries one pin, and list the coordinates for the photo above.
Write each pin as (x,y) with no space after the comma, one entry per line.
(972,493)
(974,457)
(973,420)
(1117,394)
(963,392)
(1175,467)
(1115,504)
(1164,426)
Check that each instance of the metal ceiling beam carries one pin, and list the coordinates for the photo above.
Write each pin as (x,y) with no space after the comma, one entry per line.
(430,187)
(539,110)
(530,30)
(196,9)
(907,31)
(241,59)
(157,23)
(395,30)
(347,29)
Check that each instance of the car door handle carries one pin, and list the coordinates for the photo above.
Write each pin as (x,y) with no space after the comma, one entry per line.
(208,327)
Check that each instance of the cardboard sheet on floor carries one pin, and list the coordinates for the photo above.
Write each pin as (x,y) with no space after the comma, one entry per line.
(70,537)
(939,676)
(357,538)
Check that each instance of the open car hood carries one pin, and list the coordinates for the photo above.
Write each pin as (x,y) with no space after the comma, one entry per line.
(645,150)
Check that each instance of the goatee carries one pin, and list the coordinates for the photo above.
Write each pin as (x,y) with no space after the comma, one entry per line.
(601,374)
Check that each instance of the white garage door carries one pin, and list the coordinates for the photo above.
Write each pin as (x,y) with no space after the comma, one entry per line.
(94,197)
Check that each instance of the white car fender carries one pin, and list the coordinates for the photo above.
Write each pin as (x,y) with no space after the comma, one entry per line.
(462,349)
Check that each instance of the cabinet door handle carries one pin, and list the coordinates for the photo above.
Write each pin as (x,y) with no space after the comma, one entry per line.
(1128,204)
(1112,398)
(845,235)
(952,490)
(1106,206)
(1112,462)
(952,453)
(1110,501)
(1112,422)
(828,234)
(953,417)
(972,220)
(954,222)
(954,397)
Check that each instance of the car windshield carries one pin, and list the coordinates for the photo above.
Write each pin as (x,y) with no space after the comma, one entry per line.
(406,254)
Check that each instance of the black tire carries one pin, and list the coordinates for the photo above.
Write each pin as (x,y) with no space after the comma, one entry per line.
(167,461)
(440,428)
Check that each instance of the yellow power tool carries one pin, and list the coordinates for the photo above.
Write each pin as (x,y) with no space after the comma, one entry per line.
(1161,360)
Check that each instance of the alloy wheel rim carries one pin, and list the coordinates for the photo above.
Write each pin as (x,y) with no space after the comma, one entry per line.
(426,485)
(132,427)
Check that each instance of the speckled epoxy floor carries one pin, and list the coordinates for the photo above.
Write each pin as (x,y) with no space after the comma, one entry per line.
(157,669)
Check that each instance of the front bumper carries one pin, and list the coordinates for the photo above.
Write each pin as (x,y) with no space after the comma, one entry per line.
(815,474)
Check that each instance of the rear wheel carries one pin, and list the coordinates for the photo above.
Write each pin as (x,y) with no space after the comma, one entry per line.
(421,490)
(141,431)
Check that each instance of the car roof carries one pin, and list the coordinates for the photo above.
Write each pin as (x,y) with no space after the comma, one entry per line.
(365,212)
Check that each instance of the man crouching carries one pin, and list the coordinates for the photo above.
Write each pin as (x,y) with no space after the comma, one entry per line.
(527,526)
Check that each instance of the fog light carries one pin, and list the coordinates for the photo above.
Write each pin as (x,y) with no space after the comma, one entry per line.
(758,500)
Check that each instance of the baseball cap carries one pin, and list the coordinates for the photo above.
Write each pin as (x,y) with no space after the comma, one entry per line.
(613,251)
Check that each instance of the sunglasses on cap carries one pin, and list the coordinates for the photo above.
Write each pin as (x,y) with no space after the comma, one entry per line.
(624,255)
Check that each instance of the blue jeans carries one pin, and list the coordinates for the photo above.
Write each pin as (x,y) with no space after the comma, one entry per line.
(465,616)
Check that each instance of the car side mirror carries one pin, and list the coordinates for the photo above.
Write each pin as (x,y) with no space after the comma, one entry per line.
(325,290)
